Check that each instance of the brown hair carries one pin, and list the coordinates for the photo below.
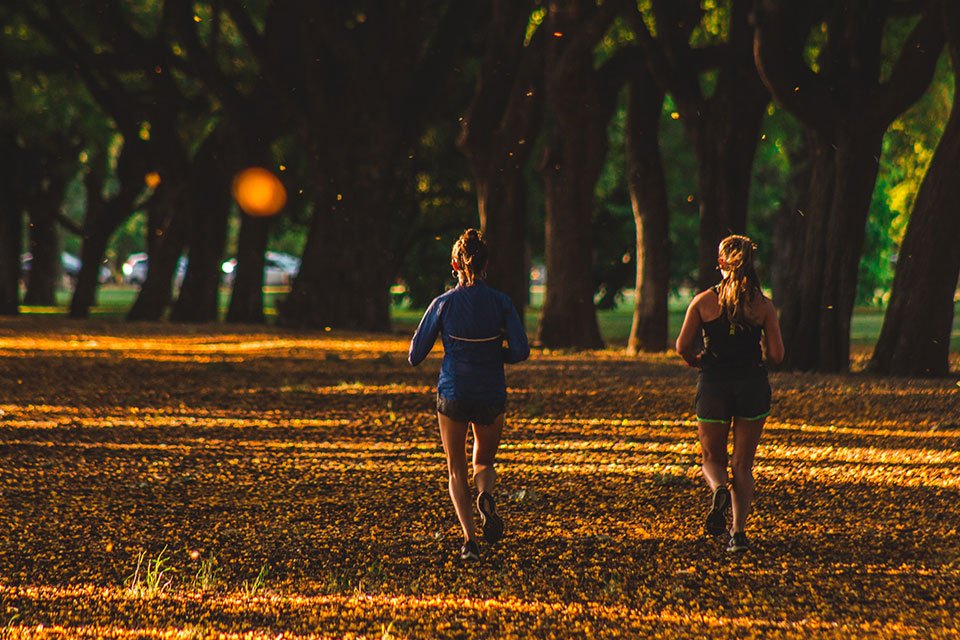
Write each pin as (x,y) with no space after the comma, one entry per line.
(470,254)
(741,285)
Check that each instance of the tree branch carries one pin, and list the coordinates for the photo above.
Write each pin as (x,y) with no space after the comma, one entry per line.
(662,67)
(69,224)
(912,72)
(498,74)
(791,83)
(588,33)
(438,60)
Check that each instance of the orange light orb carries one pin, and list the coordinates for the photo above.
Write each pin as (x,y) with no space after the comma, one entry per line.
(152,180)
(259,192)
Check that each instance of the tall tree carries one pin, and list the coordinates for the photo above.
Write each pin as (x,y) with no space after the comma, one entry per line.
(581,99)
(54,166)
(11,200)
(105,213)
(498,133)
(648,195)
(915,339)
(724,127)
(358,116)
(846,108)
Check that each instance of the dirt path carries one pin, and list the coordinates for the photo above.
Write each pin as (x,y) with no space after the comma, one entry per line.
(315,458)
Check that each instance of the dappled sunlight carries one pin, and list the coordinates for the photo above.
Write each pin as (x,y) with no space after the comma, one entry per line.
(298,481)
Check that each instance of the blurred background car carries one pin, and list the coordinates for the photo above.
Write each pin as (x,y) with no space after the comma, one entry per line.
(279,269)
(70,265)
(136,265)
(135,269)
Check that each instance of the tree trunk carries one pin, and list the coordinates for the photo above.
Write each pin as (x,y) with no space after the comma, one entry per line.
(571,168)
(856,173)
(91,254)
(497,137)
(915,339)
(846,110)
(209,210)
(648,195)
(45,267)
(568,318)
(103,217)
(788,227)
(726,144)
(167,229)
(800,317)
(11,228)
(503,218)
(246,299)
(348,263)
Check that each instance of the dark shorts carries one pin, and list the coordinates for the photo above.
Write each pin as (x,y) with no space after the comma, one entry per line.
(719,400)
(466,411)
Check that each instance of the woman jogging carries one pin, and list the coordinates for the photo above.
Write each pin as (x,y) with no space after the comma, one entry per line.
(734,318)
(473,320)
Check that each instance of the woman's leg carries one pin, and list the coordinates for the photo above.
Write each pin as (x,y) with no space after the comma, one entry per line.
(713,445)
(454,437)
(746,437)
(486,441)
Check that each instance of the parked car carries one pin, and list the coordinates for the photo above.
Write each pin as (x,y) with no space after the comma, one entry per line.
(70,265)
(279,269)
(137,264)
(135,269)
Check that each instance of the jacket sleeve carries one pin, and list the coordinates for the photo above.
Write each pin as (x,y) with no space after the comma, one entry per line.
(517,349)
(426,334)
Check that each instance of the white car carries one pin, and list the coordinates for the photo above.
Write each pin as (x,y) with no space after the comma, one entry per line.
(279,269)
(137,264)
(70,265)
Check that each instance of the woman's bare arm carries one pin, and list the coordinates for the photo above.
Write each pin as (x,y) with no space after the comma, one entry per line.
(771,334)
(687,340)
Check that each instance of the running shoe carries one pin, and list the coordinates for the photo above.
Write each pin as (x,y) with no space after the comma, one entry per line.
(491,522)
(717,517)
(738,542)
(470,550)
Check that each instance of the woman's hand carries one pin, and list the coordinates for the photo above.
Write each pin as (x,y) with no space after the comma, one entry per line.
(693,361)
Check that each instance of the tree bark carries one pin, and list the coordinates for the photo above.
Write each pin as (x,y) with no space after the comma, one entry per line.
(104,216)
(788,229)
(44,238)
(651,214)
(581,105)
(167,229)
(208,201)
(348,264)
(724,127)
(498,135)
(359,117)
(915,338)
(846,110)
(11,224)
(246,299)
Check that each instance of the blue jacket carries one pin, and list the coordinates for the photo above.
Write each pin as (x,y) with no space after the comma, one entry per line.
(474,321)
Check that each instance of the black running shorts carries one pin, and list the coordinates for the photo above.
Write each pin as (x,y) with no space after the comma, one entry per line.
(719,400)
(466,411)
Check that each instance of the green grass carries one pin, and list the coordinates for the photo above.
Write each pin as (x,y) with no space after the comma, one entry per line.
(114,301)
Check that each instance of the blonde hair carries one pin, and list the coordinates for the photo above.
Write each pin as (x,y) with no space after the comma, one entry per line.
(470,254)
(741,285)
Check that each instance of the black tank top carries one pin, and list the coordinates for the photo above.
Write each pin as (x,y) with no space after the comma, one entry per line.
(730,351)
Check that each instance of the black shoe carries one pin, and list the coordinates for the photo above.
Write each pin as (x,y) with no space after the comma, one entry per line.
(738,542)
(470,550)
(492,523)
(717,517)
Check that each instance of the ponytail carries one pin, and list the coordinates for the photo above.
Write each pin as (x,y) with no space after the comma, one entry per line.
(741,285)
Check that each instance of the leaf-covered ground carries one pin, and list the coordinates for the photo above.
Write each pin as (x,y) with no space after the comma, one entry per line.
(294,484)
